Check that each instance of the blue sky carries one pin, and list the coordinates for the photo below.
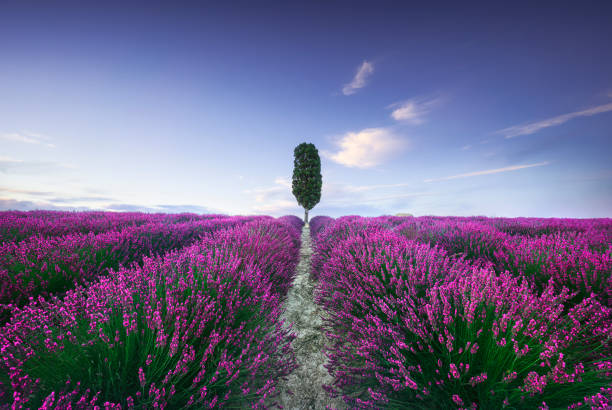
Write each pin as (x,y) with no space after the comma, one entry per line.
(439,110)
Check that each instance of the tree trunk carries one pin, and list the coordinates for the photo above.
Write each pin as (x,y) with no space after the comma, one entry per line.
(305,216)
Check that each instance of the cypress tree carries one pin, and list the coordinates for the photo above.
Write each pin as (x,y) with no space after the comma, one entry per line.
(307,181)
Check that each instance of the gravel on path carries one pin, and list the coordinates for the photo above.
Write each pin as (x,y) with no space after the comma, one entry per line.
(307,380)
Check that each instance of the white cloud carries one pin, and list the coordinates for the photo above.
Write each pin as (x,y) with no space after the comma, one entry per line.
(466,147)
(377,199)
(10,191)
(264,194)
(342,199)
(275,200)
(14,204)
(18,166)
(281,184)
(359,81)
(277,207)
(346,191)
(28,138)
(534,127)
(413,110)
(365,188)
(489,171)
(366,148)
(10,160)
(283,181)
(278,200)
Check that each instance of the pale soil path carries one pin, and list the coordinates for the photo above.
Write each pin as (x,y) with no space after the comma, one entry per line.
(305,382)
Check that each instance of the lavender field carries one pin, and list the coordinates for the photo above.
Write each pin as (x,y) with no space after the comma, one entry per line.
(449,312)
(242,205)
(129,310)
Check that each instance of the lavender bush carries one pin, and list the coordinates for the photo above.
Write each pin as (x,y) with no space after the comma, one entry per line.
(415,328)
(561,260)
(293,221)
(16,226)
(579,258)
(198,328)
(473,240)
(318,223)
(273,245)
(46,266)
(546,226)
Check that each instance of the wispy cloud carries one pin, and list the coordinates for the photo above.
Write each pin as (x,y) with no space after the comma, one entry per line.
(278,199)
(337,197)
(277,207)
(534,127)
(77,199)
(379,199)
(196,209)
(5,190)
(466,147)
(9,160)
(7,204)
(28,138)
(488,171)
(366,148)
(18,166)
(21,205)
(282,185)
(52,197)
(126,207)
(283,181)
(274,200)
(413,110)
(366,188)
(359,81)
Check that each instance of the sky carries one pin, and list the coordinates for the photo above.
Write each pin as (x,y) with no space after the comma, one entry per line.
(439,109)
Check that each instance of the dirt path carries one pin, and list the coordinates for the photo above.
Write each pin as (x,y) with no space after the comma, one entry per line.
(300,308)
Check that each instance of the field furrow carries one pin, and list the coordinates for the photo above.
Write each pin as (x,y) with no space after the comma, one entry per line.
(303,388)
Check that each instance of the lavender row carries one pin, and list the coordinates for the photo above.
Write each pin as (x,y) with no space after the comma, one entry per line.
(45,266)
(293,221)
(547,226)
(19,225)
(318,223)
(527,226)
(415,327)
(198,328)
(580,261)
(559,260)
(327,232)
